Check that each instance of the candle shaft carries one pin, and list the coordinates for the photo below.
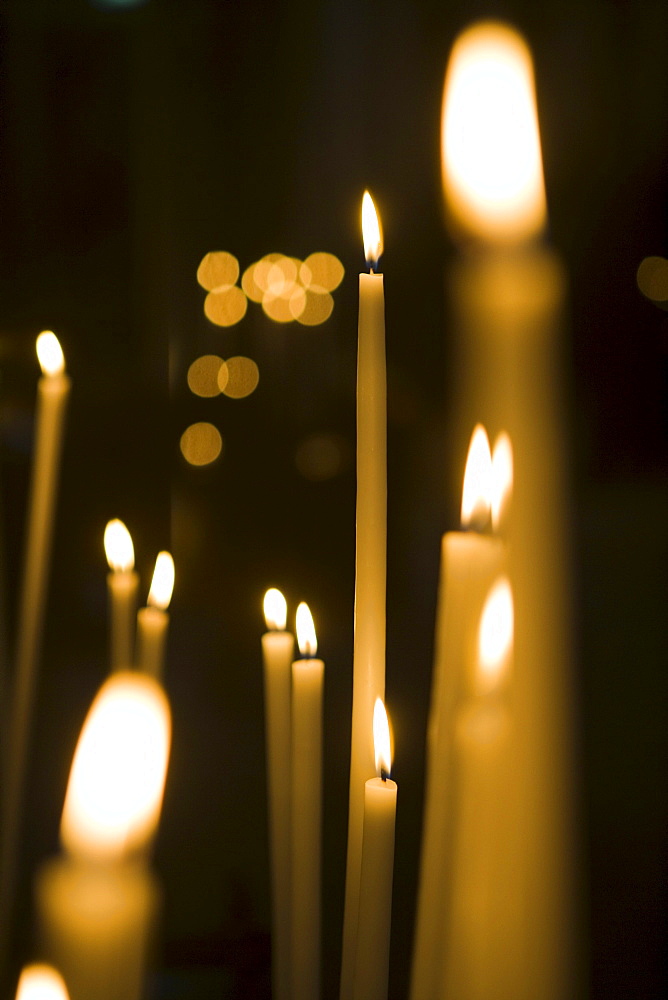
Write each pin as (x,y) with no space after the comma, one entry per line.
(152,625)
(122,588)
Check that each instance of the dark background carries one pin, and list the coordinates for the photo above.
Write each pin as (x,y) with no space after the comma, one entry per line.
(135,139)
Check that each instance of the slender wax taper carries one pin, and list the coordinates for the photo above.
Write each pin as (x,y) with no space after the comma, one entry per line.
(370,565)
(122,584)
(153,621)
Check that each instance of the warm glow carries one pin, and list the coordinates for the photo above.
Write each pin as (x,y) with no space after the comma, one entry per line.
(217,269)
(306,640)
(41,982)
(381,739)
(162,584)
(321,272)
(477,490)
(652,278)
(317,307)
(495,636)
(490,146)
(238,377)
(118,547)
(372,232)
(50,354)
(226,306)
(203,375)
(201,443)
(118,773)
(502,479)
(275,610)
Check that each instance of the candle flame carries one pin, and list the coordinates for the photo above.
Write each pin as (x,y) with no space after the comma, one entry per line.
(50,353)
(118,547)
(116,784)
(306,638)
(162,584)
(372,232)
(502,478)
(275,610)
(41,982)
(477,490)
(490,145)
(381,739)
(495,635)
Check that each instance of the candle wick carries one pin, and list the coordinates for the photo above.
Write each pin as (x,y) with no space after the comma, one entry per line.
(383,774)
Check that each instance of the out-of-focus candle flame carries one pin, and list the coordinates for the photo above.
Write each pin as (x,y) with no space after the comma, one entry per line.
(490,146)
(381,739)
(477,489)
(41,982)
(162,584)
(306,639)
(372,232)
(116,784)
(50,353)
(502,478)
(118,547)
(495,635)
(275,610)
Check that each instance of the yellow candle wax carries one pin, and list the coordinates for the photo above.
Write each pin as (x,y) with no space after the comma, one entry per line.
(153,621)
(122,585)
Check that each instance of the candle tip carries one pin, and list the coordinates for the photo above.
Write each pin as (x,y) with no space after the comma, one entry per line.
(118,547)
(162,584)
(381,740)
(306,637)
(275,610)
(372,232)
(50,353)
(478,482)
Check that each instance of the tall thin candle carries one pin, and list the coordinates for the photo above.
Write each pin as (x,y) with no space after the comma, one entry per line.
(122,585)
(153,621)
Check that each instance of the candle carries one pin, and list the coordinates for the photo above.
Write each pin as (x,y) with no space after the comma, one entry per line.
(506,291)
(470,561)
(277,650)
(306,822)
(370,565)
(375,897)
(153,621)
(52,393)
(122,585)
(41,982)
(98,902)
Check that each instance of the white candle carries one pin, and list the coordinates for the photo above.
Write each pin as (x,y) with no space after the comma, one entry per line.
(153,621)
(52,393)
(41,982)
(506,293)
(277,655)
(97,903)
(370,565)
(307,684)
(376,870)
(122,585)
(470,562)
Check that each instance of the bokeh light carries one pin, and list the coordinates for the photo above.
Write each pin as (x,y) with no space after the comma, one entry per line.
(216,269)
(320,457)
(238,377)
(203,375)
(226,306)
(201,444)
(321,272)
(652,278)
(317,308)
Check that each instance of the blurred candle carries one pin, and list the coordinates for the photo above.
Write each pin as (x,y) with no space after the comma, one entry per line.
(277,655)
(98,902)
(41,982)
(506,290)
(376,871)
(122,584)
(307,684)
(370,564)
(470,561)
(153,621)
(52,394)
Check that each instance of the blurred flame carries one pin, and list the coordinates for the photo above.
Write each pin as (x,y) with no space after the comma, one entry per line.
(372,232)
(381,738)
(50,353)
(477,489)
(41,982)
(116,784)
(495,634)
(118,547)
(306,639)
(502,478)
(490,146)
(162,584)
(275,610)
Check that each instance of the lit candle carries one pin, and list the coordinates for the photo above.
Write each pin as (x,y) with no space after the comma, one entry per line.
(470,561)
(277,655)
(375,906)
(307,684)
(98,902)
(153,621)
(370,565)
(41,982)
(52,393)
(122,585)
(506,290)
